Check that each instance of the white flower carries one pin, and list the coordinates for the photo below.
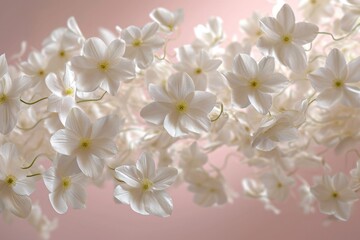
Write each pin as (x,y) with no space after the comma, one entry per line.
(102,65)
(253,83)
(277,184)
(208,191)
(15,186)
(36,68)
(316,10)
(66,184)
(63,91)
(144,187)
(351,14)
(355,177)
(284,38)
(192,158)
(336,81)
(167,20)
(180,109)
(335,196)
(273,130)
(251,27)
(210,34)
(10,91)
(141,43)
(41,223)
(90,143)
(201,68)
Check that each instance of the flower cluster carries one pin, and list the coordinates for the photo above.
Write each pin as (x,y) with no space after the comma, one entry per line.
(119,107)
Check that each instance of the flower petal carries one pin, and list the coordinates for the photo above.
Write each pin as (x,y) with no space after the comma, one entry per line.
(158,203)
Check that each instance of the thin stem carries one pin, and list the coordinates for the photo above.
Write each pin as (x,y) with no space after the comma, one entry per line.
(32,103)
(30,128)
(343,37)
(34,175)
(33,161)
(92,100)
(221,112)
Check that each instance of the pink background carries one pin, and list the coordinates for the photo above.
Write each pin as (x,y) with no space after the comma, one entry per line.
(103,219)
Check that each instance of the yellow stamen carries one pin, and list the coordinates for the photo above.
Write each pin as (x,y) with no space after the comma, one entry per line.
(3,98)
(10,180)
(85,143)
(147,184)
(66,182)
(182,106)
(287,39)
(69,91)
(198,71)
(137,43)
(338,83)
(104,66)
(62,53)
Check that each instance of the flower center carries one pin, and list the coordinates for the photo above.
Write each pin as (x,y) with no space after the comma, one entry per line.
(104,66)
(69,91)
(147,184)
(41,72)
(313,2)
(287,39)
(66,182)
(335,195)
(10,180)
(279,185)
(198,71)
(182,106)
(338,83)
(85,143)
(137,43)
(254,83)
(62,53)
(3,98)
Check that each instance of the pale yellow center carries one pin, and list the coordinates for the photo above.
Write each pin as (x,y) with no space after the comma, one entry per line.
(62,53)
(66,182)
(287,39)
(198,71)
(85,143)
(41,72)
(279,185)
(147,184)
(335,195)
(338,83)
(10,180)
(182,106)
(104,66)
(254,83)
(3,98)
(69,91)
(137,43)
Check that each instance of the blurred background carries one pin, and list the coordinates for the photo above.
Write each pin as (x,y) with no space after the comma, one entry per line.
(33,20)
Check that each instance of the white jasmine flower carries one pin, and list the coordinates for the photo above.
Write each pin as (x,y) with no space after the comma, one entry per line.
(277,184)
(167,20)
(273,130)
(315,10)
(336,81)
(210,34)
(66,184)
(307,198)
(141,43)
(15,186)
(36,68)
(251,27)
(208,191)
(201,68)
(355,177)
(103,66)
(253,83)
(192,158)
(335,196)
(63,91)
(10,91)
(180,109)
(284,38)
(144,187)
(351,14)
(41,223)
(90,143)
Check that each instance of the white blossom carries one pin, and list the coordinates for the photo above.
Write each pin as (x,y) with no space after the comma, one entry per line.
(167,20)
(144,187)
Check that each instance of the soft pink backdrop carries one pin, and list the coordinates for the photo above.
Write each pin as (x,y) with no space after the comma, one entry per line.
(32,20)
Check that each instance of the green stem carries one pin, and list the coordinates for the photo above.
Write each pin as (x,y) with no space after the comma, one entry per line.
(92,100)
(34,175)
(221,112)
(32,103)
(343,37)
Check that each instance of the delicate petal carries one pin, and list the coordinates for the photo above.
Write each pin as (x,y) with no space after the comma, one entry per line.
(246,66)
(155,112)
(58,202)
(337,64)
(78,122)
(180,85)
(172,125)
(158,203)
(165,177)
(128,174)
(76,196)
(292,56)
(95,48)
(286,19)
(122,195)
(329,97)
(305,33)
(271,28)
(65,142)
(146,166)
(204,101)
(261,102)
(106,127)
(90,165)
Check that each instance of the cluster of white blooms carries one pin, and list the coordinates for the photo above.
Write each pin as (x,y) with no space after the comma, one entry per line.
(119,107)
